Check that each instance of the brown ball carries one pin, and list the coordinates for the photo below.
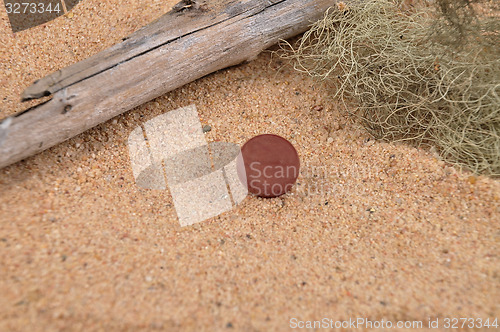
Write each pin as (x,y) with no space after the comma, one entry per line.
(271,165)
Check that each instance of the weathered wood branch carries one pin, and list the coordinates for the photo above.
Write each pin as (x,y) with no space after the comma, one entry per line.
(194,39)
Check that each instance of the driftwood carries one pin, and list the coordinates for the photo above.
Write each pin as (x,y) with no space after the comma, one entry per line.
(194,39)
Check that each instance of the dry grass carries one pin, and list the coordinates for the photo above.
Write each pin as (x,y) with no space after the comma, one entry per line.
(426,77)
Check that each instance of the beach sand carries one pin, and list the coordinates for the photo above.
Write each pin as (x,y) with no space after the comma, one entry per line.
(371,230)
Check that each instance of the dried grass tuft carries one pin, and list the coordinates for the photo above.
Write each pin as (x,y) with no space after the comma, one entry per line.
(426,77)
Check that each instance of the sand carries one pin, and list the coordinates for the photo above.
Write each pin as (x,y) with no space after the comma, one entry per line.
(371,230)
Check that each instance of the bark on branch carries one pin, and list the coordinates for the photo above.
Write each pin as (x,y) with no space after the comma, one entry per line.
(194,39)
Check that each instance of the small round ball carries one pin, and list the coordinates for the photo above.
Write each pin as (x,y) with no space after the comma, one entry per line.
(269,165)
